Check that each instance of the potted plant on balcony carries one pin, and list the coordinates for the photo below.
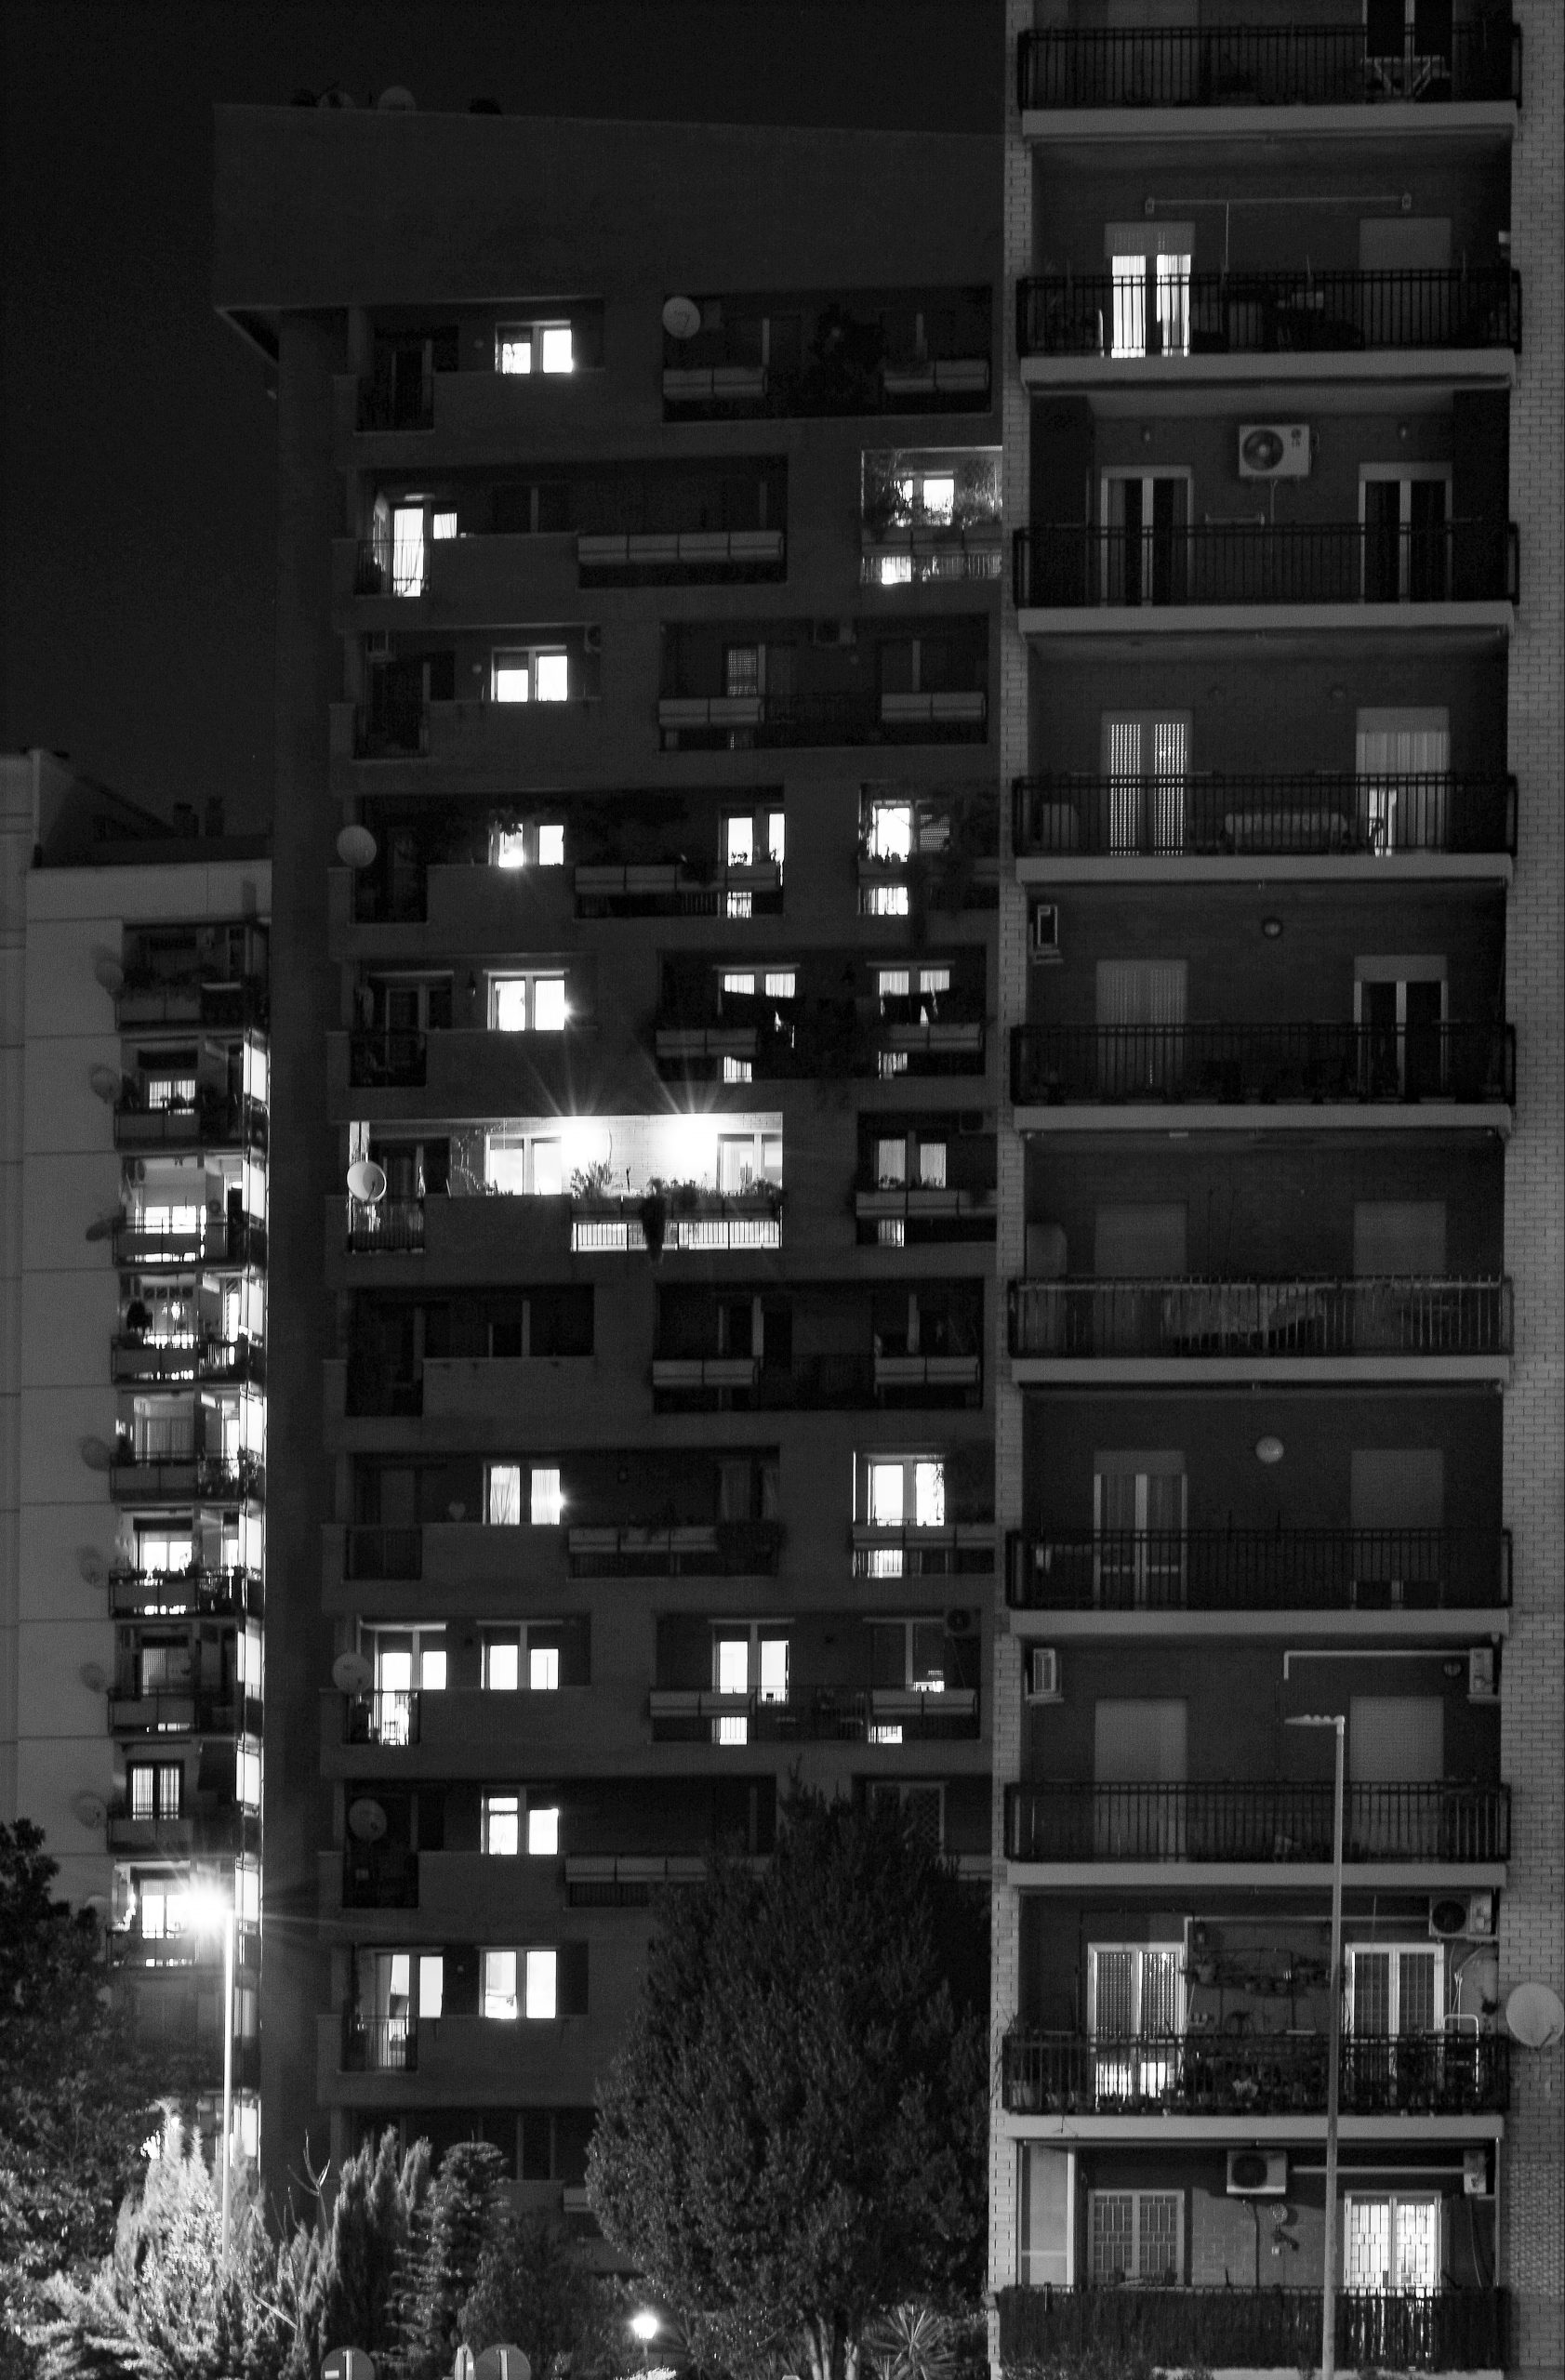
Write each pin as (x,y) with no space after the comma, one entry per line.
(655,1218)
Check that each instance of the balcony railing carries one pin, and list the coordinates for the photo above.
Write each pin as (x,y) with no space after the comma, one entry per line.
(1326,814)
(767,723)
(1253,1569)
(211,1120)
(378,2045)
(1445,2330)
(1318,1063)
(1369,1314)
(1257,1822)
(389,1717)
(210,1239)
(1273,313)
(390,1227)
(1310,65)
(827,1714)
(693,1549)
(1076,566)
(175,1478)
(213,1830)
(684,557)
(212,1594)
(718,388)
(382,1055)
(377,1553)
(179,1365)
(903,1550)
(379,1875)
(714,1223)
(220,1006)
(1449,2073)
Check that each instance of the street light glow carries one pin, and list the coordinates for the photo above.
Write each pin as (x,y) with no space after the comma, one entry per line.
(645,2325)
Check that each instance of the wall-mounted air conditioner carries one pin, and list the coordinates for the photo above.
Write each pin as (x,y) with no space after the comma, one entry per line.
(1274,450)
(1456,1917)
(1042,1673)
(1483,1676)
(1257,2172)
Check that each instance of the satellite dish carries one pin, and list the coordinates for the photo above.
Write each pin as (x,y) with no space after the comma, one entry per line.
(107,1081)
(503,2364)
(102,1226)
(95,1455)
(682,317)
(457,1510)
(367,1180)
(94,1677)
(91,1810)
(91,1565)
(397,99)
(356,847)
(350,1674)
(348,2363)
(366,1821)
(1534,2015)
(109,973)
(335,97)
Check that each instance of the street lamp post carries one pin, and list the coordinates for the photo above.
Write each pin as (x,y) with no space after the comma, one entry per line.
(1334,2052)
(214,1911)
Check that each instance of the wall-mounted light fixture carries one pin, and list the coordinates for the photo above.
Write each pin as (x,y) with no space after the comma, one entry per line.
(1269,1449)
(1272,929)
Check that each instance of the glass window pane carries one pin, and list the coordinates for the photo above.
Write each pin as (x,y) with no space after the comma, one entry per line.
(431,1984)
(504,1509)
(548,1003)
(940,495)
(890,830)
(501,1820)
(513,677)
(505,1165)
(887,1482)
(442,525)
(733,1664)
(549,1178)
(774,1669)
(508,848)
(543,1834)
(741,670)
(554,340)
(777,836)
(514,351)
(508,1003)
(929,1495)
(552,675)
(543,1669)
(932,1165)
(407,549)
(499,1985)
(500,1664)
(741,842)
(542,1969)
(551,846)
(891,1162)
(548,1503)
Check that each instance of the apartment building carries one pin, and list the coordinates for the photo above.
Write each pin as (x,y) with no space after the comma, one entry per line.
(1280,961)
(132,1565)
(633,1052)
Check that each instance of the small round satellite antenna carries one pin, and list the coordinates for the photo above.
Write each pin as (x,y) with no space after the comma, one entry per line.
(96,1455)
(397,99)
(1534,2015)
(682,317)
(90,1809)
(367,1180)
(109,973)
(90,1563)
(366,1821)
(356,847)
(94,1677)
(350,1674)
(107,1081)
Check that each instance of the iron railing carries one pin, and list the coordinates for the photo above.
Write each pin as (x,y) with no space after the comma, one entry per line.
(212,1239)
(821,718)
(390,1227)
(1309,65)
(1322,1062)
(1326,813)
(697,1549)
(1072,565)
(382,1054)
(1270,313)
(1382,1314)
(828,1714)
(1445,2330)
(1448,2073)
(135,1357)
(378,1552)
(213,1593)
(378,2045)
(212,1120)
(389,1717)
(1255,1569)
(1257,1821)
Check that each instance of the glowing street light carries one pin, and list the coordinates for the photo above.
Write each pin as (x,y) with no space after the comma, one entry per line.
(208,1911)
(1333,2054)
(643,2324)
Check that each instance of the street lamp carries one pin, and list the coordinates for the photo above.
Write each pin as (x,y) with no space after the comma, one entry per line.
(1333,2054)
(211,1910)
(643,2324)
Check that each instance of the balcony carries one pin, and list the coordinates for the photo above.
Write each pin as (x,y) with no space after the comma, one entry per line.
(878,1715)
(1249,1569)
(240,1361)
(390,1718)
(383,1058)
(691,1220)
(1375,1327)
(377,1552)
(1264,1822)
(1394,825)
(1449,2073)
(218,1240)
(219,1832)
(186,1478)
(763,723)
(378,2045)
(1445,2330)
(389,1227)
(610,1880)
(211,1594)
(689,1550)
(1310,313)
(909,1214)
(831,356)
(213,1120)
(183,1714)
(675,888)
(1140,68)
(379,1875)
(682,558)
(801,1039)
(220,1007)
(1071,576)
(903,1550)
(1316,1064)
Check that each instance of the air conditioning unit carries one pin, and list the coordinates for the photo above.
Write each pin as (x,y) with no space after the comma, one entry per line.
(592,637)
(1043,933)
(1483,1677)
(1257,2172)
(1044,1674)
(1475,2173)
(831,632)
(1456,1917)
(1274,450)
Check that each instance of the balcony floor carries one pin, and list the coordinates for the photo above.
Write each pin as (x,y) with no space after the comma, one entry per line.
(1164,1119)
(1113,624)
(1294,2131)
(1491,122)
(1253,1875)
(1381,1370)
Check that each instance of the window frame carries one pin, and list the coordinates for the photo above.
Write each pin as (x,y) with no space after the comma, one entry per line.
(509,659)
(1138,2195)
(530,978)
(1393,1953)
(533,329)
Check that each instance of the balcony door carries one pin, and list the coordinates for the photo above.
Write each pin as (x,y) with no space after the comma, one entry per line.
(1140,1019)
(1145,761)
(1403,764)
(1396,1749)
(1405,509)
(1135,2014)
(1139,1755)
(1138,1531)
(1391,2244)
(1144,522)
(1149,287)
(1399,1008)
(1397,1513)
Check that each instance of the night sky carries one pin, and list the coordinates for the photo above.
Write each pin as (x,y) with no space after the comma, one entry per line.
(139,433)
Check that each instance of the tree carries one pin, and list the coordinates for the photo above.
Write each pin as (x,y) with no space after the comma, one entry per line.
(348,2273)
(439,2264)
(793,2139)
(77,2099)
(534,2291)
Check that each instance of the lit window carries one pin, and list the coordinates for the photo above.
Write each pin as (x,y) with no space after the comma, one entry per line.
(887,1487)
(542,1983)
(733,1664)
(499,1986)
(513,677)
(741,842)
(508,848)
(782,985)
(543,1669)
(897,569)
(771,1158)
(741,986)
(892,1062)
(552,676)
(886,900)
(513,351)
(407,549)
(247,1892)
(246,2127)
(442,525)
(548,1503)
(503,1504)
(741,670)
(738,902)
(890,1163)
(929,1495)
(548,1003)
(551,846)
(522,348)
(431,1984)
(527,1003)
(886,1733)
(554,346)
(932,1165)
(732,1729)
(935,979)
(548,1170)
(890,830)
(522,675)
(890,1232)
(153,1924)
(502,1818)
(774,1669)
(501,1674)
(508,1003)
(893,982)
(249,1776)
(939,497)
(543,1834)
(738,1070)
(777,835)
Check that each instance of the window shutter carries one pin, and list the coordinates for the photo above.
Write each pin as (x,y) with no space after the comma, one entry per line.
(461,1979)
(571,1979)
(1113,1994)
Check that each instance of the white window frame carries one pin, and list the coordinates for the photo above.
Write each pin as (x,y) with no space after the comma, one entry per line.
(530,979)
(500,1814)
(543,1830)
(1138,2198)
(524,664)
(1393,1953)
(427,1654)
(1394,2201)
(1404,475)
(1159,294)
(1135,2064)
(524,350)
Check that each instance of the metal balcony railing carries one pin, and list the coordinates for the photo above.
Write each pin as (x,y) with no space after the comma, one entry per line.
(382,1054)
(390,1227)
(1253,1569)
(693,1221)
(1258,1822)
(377,1553)
(1309,65)
(826,1714)
(1453,2072)
(212,1594)
(1368,1315)
(693,1549)
(236,1240)
(390,1717)
(1270,313)
(1327,813)
(210,1120)
(897,1550)
(769,723)
(1321,1063)
(140,1359)
(1444,2330)
(378,2045)
(1075,565)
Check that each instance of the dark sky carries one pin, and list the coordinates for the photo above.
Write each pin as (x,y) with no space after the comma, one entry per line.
(138,434)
